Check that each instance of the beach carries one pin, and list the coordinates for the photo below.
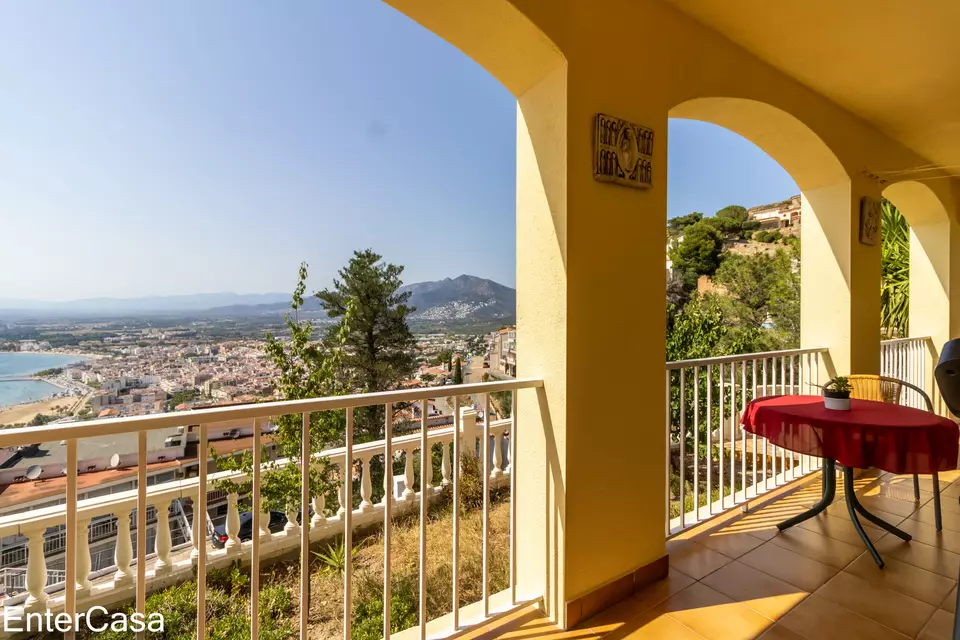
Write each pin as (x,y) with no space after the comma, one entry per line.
(25,412)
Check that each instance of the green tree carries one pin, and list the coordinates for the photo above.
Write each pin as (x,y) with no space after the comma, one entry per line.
(306,369)
(894,272)
(427,378)
(734,212)
(699,252)
(678,224)
(457,373)
(379,351)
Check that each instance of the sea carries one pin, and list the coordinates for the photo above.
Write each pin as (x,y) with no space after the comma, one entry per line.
(13,365)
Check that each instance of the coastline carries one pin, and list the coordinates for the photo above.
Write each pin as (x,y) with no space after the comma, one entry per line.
(24,412)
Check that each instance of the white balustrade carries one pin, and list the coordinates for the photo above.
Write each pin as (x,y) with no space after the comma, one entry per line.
(34,524)
(712,463)
(497,470)
(83,558)
(445,464)
(907,359)
(163,544)
(123,553)
(408,491)
(36,570)
(319,504)
(232,525)
(366,486)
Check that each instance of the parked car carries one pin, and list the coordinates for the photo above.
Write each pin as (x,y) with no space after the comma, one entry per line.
(278,519)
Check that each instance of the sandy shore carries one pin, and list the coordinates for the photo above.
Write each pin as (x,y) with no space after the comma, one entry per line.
(26,412)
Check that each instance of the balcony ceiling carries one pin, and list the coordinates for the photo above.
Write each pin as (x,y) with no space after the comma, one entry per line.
(894,63)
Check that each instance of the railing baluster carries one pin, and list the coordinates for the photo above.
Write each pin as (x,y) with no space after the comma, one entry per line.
(445,463)
(457,440)
(733,433)
(709,440)
(424,456)
(123,551)
(696,444)
(668,463)
(232,525)
(683,446)
(36,579)
(256,531)
(71,534)
(366,487)
(753,444)
(513,498)
(200,511)
(141,524)
(347,530)
(162,544)
(766,448)
(408,492)
(486,505)
(720,485)
(792,392)
(497,469)
(387,513)
(743,434)
(346,478)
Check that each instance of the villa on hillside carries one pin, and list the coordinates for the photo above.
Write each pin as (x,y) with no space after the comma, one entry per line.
(777,215)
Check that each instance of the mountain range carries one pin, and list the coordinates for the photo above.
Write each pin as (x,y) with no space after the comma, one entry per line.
(451,300)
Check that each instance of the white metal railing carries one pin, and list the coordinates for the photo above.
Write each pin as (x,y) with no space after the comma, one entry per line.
(131,566)
(712,463)
(906,359)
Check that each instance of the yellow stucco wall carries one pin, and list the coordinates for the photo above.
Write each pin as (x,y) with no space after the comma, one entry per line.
(590,255)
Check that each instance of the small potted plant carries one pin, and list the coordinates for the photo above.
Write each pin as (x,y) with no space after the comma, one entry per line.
(836,394)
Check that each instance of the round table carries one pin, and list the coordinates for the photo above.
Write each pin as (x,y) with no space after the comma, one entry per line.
(872,434)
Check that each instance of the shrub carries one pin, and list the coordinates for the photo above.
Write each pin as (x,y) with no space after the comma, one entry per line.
(275,602)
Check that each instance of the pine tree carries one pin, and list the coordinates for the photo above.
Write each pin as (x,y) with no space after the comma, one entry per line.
(457,373)
(379,350)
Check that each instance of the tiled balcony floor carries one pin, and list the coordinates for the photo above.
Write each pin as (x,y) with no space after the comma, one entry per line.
(743,579)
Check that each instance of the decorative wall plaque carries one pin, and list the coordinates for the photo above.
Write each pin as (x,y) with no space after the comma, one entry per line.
(623,152)
(870,211)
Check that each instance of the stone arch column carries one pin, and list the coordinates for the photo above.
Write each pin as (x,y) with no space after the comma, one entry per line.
(840,277)
(934,263)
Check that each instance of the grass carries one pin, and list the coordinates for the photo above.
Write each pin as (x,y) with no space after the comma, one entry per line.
(228,612)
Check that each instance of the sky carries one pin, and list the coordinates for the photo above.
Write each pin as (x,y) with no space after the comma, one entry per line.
(187,147)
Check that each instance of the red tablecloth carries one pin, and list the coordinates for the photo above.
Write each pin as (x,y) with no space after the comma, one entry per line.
(872,434)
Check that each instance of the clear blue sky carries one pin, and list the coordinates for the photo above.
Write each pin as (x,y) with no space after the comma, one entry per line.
(182,147)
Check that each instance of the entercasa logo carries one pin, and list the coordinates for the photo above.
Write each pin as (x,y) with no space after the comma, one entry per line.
(96,619)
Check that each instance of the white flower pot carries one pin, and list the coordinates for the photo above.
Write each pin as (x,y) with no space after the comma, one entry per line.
(836,404)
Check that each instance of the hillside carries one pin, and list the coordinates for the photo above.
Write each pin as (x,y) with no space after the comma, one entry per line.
(462,299)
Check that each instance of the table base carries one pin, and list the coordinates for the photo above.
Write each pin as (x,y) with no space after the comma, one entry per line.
(829,482)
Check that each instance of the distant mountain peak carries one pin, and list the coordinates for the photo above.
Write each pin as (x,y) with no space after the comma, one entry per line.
(464,298)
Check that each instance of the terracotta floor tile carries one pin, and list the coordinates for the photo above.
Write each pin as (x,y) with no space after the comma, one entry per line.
(951,491)
(713,615)
(928,534)
(940,627)
(800,571)
(839,510)
(821,548)
(949,603)
(949,503)
(661,627)
(763,593)
(840,529)
(617,616)
(890,608)
(763,522)
(780,632)
(818,619)
(925,556)
(893,500)
(732,544)
(527,623)
(926,514)
(905,578)
(696,560)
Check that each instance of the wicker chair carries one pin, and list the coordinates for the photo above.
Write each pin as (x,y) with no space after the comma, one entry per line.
(890,390)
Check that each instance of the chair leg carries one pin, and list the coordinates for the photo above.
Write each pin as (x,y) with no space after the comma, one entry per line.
(936,502)
(916,487)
